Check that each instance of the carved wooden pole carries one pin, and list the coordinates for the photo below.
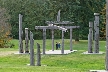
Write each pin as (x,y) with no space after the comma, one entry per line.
(44,40)
(26,40)
(31,49)
(62,50)
(107,35)
(20,35)
(71,39)
(90,37)
(96,30)
(38,55)
(58,16)
(52,39)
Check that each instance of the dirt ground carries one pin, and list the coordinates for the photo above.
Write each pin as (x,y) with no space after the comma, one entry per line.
(5,53)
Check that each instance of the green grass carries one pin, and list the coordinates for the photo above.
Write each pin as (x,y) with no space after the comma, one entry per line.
(74,62)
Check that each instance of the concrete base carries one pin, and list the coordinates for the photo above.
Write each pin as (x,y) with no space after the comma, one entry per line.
(59,52)
(36,65)
(21,53)
(98,71)
(93,53)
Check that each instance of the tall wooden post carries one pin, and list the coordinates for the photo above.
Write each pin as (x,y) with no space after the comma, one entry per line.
(20,35)
(52,39)
(107,35)
(62,50)
(58,16)
(31,49)
(71,39)
(90,37)
(96,30)
(26,40)
(44,40)
(38,55)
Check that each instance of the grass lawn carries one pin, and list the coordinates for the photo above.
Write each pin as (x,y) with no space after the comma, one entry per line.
(74,62)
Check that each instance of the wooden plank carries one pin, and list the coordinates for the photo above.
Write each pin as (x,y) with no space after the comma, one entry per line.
(70,27)
(52,27)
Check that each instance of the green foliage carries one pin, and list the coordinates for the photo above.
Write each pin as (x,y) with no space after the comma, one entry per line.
(103,28)
(36,12)
(4,28)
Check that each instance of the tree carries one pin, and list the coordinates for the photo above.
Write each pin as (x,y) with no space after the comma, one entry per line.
(103,18)
(4,28)
(36,12)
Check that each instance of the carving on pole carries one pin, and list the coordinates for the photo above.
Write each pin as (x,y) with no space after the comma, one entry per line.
(90,37)
(38,55)
(20,35)
(31,49)
(26,40)
(96,31)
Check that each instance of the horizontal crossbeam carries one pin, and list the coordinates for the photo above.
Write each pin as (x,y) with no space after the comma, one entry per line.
(55,27)
(59,22)
(51,27)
